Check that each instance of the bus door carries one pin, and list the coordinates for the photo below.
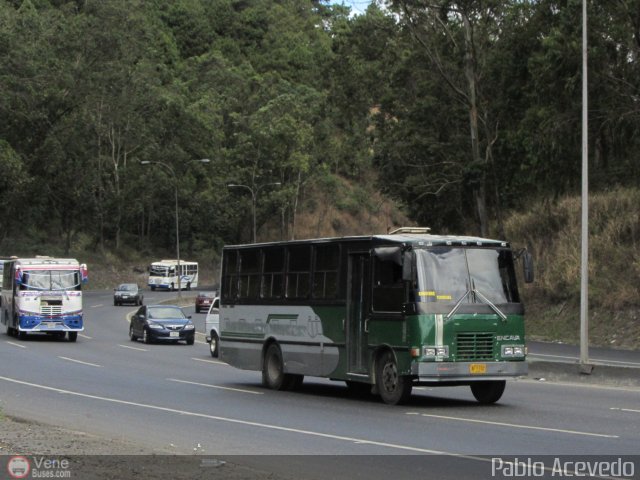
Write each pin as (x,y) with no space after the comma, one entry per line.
(359,297)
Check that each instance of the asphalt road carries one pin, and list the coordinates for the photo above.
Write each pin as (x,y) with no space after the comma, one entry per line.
(178,399)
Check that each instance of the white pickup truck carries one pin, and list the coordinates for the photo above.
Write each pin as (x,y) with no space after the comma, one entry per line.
(212,326)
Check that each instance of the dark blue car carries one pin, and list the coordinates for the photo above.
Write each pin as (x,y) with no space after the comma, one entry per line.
(162,323)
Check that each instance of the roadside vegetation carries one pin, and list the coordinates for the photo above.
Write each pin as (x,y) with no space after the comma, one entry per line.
(551,230)
(461,116)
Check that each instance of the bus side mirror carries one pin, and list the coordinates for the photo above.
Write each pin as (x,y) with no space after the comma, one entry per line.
(527,267)
(408,260)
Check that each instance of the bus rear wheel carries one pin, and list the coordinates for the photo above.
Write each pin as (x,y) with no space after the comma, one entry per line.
(10,330)
(487,392)
(273,375)
(394,389)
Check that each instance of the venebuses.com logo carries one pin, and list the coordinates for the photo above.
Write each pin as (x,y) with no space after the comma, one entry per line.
(18,467)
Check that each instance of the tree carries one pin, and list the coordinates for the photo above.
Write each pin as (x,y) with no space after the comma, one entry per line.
(456,37)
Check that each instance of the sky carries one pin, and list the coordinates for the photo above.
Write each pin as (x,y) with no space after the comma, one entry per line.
(357,6)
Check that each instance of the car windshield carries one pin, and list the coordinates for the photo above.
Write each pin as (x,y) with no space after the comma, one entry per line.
(206,294)
(165,313)
(128,287)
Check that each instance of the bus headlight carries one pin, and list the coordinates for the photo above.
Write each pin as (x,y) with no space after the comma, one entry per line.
(442,351)
(513,351)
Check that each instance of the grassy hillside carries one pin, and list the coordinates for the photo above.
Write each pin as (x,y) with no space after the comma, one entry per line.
(551,230)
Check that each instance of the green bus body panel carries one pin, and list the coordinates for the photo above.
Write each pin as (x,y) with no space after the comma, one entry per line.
(469,337)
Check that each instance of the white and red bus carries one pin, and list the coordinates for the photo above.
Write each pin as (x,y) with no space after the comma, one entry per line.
(43,295)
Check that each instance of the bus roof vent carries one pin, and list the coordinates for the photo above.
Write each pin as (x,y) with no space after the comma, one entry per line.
(417,230)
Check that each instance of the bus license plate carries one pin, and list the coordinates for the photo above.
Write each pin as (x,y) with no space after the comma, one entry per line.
(477,368)
(174,334)
(50,324)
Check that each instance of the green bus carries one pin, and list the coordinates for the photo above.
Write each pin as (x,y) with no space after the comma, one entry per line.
(382,313)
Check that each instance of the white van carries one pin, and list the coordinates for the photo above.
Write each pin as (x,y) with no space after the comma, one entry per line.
(212,327)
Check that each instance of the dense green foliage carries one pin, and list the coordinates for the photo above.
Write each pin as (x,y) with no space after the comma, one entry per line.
(458,110)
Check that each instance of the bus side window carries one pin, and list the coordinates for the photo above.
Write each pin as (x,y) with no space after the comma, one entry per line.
(273,275)
(249,273)
(230,278)
(325,276)
(298,271)
(388,288)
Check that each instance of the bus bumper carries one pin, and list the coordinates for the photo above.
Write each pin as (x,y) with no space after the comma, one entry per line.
(467,371)
(34,323)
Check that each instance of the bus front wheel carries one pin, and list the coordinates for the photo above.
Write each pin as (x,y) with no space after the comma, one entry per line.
(273,375)
(73,336)
(394,389)
(487,392)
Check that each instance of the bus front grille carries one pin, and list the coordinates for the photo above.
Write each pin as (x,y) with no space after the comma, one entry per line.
(50,310)
(474,346)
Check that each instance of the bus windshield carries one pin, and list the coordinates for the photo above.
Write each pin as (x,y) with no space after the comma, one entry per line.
(447,274)
(50,280)
(159,271)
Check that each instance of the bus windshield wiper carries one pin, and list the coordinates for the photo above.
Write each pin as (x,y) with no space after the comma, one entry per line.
(482,298)
(457,305)
(488,302)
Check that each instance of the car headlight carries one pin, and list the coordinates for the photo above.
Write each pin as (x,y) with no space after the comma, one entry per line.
(189,326)
(156,326)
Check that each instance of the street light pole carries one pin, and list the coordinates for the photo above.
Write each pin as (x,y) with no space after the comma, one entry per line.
(585,367)
(175,186)
(254,195)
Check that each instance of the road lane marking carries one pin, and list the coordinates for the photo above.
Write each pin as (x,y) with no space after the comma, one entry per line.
(16,344)
(80,361)
(515,425)
(97,306)
(216,386)
(85,336)
(200,342)
(595,361)
(210,361)
(625,410)
(134,348)
(248,423)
